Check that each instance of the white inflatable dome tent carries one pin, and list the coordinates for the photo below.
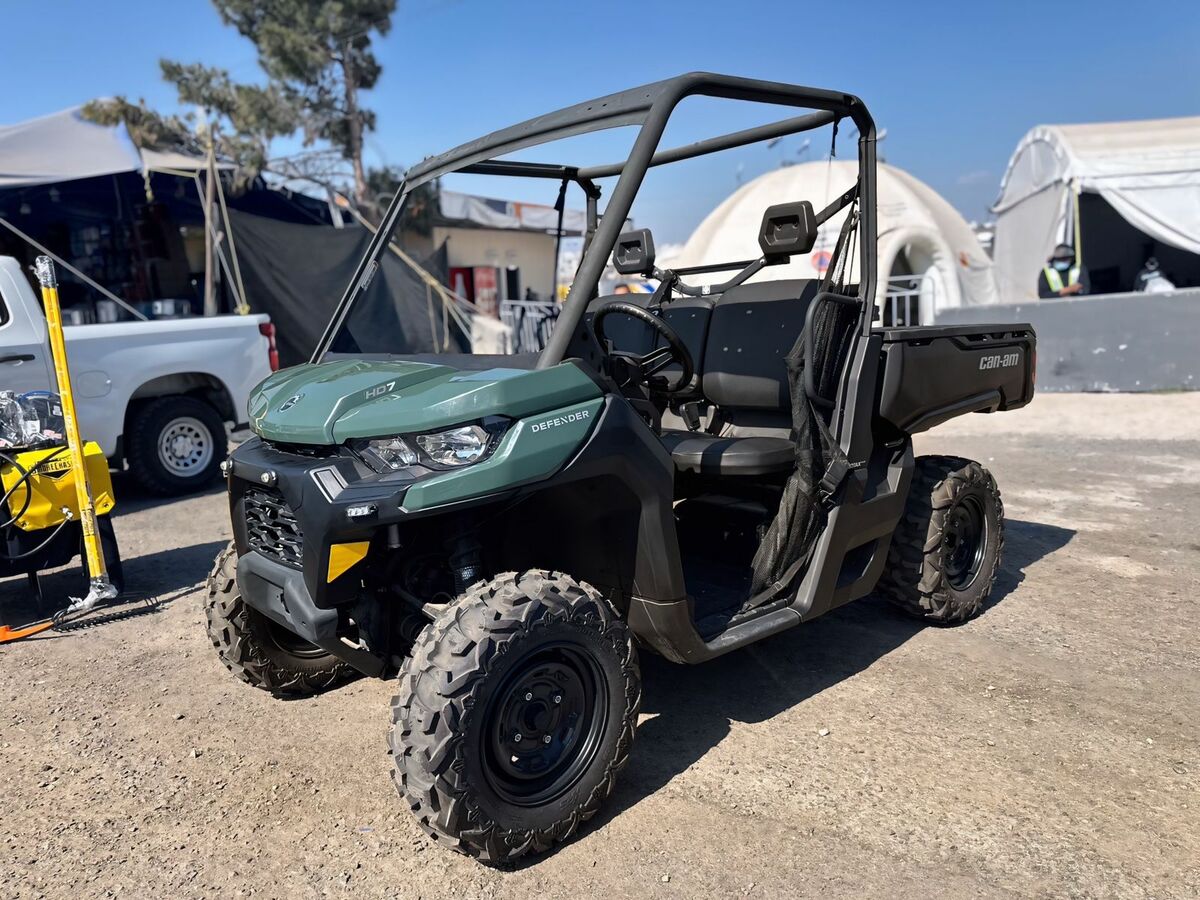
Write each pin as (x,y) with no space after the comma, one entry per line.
(927,252)
(1117,191)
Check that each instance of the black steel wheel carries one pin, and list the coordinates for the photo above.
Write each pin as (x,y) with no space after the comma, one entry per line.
(964,541)
(514,714)
(544,725)
(946,551)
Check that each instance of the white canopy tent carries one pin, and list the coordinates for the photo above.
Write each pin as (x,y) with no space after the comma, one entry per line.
(1117,191)
(922,239)
(64,146)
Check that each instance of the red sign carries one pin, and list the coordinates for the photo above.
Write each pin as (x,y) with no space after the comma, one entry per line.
(820,261)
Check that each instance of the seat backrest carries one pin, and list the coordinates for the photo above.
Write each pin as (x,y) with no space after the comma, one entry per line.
(752,329)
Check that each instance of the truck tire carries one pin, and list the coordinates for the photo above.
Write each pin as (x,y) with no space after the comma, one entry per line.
(946,551)
(259,651)
(175,445)
(515,711)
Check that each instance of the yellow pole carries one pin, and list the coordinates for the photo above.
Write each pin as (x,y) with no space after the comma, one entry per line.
(100,586)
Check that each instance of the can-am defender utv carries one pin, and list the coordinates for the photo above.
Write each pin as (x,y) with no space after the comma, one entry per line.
(687,475)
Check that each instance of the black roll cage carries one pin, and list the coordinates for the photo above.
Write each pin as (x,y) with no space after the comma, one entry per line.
(649,106)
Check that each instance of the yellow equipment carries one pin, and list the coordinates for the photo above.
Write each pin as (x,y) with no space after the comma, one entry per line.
(50,495)
(49,489)
(100,588)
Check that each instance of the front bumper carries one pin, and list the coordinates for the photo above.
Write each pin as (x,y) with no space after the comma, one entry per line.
(278,592)
(317,491)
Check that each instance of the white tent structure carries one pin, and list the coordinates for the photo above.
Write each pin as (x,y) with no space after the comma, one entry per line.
(929,259)
(64,146)
(1118,191)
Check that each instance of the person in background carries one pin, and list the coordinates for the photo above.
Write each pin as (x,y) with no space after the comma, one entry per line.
(1151,280)
(622,289)
(1062,276)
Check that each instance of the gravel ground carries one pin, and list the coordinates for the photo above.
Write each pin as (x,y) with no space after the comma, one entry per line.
(1048,748)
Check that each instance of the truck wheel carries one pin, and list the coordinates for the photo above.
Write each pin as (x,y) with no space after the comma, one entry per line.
(946,551)
(256,649)
(175,445)
(515,712)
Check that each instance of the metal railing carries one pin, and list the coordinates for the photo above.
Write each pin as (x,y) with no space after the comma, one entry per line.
(531,322)
(902,302)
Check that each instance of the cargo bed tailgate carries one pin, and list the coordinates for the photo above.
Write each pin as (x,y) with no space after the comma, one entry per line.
(934,373)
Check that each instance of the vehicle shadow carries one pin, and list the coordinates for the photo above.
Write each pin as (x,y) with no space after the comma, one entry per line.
(691,708)
(1024,544)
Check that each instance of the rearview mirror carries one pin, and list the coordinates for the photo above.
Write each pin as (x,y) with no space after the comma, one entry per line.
(634,253)
(787,229)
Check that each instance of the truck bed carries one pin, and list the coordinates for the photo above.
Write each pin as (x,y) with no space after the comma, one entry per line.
(930,374)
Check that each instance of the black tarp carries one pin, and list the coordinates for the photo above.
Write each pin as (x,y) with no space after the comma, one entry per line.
(297,273)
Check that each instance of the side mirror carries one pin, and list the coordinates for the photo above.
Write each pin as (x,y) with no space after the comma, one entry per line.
(788,229)
(634,253)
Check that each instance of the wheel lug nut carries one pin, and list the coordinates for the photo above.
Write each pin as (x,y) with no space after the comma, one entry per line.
(517,737)
(546,739)
(529,696)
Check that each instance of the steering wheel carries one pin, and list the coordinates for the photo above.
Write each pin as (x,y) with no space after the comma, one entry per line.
(646,365)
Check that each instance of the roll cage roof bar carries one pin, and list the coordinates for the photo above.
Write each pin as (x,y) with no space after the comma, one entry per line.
(649,106)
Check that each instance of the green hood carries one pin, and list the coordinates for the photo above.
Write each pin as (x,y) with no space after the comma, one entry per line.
(331,402)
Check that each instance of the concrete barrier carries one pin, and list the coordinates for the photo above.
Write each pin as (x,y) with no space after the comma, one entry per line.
(1108,342)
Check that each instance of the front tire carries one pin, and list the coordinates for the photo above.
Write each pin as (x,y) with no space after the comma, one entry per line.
(176,445)
(515,711)
(256,649)
(946,551)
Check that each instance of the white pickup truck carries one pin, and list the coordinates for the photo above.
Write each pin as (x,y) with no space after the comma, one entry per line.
(154,395)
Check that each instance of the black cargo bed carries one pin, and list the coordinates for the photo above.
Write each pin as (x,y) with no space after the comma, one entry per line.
(930,374)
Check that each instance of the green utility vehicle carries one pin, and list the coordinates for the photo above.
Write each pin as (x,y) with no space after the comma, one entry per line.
(685,475)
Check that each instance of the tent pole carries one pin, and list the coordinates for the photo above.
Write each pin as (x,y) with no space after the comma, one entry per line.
(210,298)
(243,308)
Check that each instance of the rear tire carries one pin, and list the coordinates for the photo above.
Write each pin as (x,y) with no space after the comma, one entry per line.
(515,712)
(175,445)
(259,651)
(946,551)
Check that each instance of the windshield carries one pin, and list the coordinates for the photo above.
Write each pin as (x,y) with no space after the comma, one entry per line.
(469,274)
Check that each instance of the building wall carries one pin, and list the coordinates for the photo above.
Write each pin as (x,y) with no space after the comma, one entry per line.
(1107,342)
(531,252)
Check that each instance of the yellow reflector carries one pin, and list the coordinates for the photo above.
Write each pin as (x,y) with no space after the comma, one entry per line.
(343,556)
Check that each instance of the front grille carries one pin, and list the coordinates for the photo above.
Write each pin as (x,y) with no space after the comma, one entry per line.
(272,529)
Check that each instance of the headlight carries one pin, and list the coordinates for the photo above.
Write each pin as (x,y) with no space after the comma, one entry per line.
(456,447)
(391,453)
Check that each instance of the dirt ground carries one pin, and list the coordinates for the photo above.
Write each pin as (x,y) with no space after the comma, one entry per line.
(1049,748)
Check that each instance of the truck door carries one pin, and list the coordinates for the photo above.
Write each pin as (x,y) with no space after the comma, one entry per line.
(24,354)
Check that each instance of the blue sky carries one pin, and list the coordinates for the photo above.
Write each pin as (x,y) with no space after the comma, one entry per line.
(955,84)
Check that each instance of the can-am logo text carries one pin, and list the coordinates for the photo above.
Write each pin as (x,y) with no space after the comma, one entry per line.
(560,420)
(999,361)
